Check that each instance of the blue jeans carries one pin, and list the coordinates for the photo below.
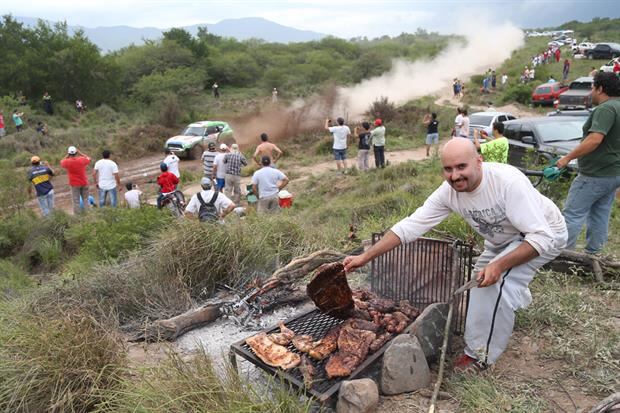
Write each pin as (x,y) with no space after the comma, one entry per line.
(46,202)
(103,194)
(589,201)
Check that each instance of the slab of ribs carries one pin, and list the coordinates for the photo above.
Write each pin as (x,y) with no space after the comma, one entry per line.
(370,323)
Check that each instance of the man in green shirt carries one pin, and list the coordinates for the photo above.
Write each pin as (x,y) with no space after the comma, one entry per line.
(591,194)
(495,149)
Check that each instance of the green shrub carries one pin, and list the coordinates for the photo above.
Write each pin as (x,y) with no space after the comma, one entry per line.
(14,230)
(518,92)
(62,362)
(13,280)
(180,80)
(382,108)
(107,234)
(169,110)
(44,245)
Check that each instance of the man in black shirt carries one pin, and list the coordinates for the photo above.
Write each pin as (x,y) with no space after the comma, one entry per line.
(432,132)
(363,146)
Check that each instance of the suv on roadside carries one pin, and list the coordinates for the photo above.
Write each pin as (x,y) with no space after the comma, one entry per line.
(578,95)
(547,93)
(192,141)
(604,51)
(485,120)
(535,141)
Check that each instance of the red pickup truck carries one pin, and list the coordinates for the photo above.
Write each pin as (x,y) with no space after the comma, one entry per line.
(547,93)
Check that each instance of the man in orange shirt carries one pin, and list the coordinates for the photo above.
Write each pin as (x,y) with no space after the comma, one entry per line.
(75,163)
(266,148)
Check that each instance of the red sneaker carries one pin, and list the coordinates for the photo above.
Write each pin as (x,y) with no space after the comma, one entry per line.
(466,364)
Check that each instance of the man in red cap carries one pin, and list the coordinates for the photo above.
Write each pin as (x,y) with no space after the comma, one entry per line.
(377,139)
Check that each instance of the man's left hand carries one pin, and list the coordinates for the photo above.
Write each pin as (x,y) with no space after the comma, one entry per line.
(562,162)
(489,275)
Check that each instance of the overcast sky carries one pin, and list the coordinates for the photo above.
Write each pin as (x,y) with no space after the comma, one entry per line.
(343,18)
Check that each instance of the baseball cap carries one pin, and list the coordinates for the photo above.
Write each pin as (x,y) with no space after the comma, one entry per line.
(265,160)
(234,147)
(223,147)
(206,183)
(71,150)
(35,159)
(211,145)
(378,122)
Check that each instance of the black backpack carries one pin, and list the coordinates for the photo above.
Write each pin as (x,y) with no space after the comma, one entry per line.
(208,211)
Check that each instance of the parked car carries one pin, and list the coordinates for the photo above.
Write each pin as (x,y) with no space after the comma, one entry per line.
(604,51)
(609,66)
(485,120)
(579,113)
(547,93)
(578,95)
(582,47)
(555,43)
(541,139)
(195,137)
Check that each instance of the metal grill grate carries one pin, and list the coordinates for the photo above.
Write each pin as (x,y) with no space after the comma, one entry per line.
(315,324)
(424,272)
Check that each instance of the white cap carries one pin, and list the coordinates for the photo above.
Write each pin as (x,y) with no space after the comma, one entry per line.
(283,194)
(71,150)
(223,147)
(234,147)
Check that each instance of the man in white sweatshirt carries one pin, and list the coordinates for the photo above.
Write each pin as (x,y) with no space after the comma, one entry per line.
(523,230)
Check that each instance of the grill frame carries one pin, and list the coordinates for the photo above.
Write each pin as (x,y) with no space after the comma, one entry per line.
(402,272)
(291,376)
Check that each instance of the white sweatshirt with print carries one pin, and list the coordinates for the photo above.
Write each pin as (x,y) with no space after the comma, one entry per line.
(504,206)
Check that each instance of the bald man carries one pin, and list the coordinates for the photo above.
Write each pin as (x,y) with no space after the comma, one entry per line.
(522,229)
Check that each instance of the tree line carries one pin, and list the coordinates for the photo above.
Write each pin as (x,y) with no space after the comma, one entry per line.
(69,66)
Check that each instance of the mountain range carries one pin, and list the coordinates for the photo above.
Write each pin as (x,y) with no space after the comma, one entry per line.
(116,37)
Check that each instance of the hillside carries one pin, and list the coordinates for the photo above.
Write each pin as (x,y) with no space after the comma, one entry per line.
(112,38)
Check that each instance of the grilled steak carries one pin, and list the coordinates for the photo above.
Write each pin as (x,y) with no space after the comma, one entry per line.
(410,311)
(363,325)
(341,364)
(303,343)
(307,371)
(284,336)
(380,341)
(382,305)
(330,291)
(354,341)
(326,345)
(271,353)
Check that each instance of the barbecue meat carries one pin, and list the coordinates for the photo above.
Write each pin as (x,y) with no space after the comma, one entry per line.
(363,325)
(410,311)
(330,291)
(363,295)
(354,341)
(271,353)
(303,343)
(380,341)
(326,345)
(362,314)
(307,371)
(382,305)
(284,336)
(341,364)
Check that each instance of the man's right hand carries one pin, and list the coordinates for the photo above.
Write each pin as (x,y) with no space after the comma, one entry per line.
(353,262)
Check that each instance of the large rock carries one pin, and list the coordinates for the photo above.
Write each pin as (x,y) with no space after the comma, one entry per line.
(358,396)
(429,328)
(404,366)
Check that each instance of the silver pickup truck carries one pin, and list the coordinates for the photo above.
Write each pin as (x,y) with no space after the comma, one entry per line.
(578,95)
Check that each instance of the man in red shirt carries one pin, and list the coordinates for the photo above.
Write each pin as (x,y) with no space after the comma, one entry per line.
(167,181)
(75,164)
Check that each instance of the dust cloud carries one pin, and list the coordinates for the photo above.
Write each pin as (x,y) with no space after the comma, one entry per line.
(486,45)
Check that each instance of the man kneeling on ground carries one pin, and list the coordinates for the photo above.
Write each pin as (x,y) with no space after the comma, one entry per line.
(209,205)
(522,229)
(267,182)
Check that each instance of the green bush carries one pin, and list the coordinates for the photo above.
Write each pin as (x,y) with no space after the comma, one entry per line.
(107,234)
(62,362)
(13,280)
(14,230)
(518,92)
(45,244)
(180,80)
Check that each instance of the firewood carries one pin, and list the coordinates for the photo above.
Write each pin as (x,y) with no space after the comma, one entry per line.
(171,328)
(610,404)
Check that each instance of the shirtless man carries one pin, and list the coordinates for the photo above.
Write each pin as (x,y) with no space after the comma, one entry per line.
(266,148)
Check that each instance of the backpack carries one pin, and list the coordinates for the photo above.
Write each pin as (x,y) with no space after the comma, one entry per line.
(208,211)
